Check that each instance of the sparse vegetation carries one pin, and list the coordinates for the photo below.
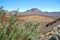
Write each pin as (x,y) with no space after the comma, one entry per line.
(27,27)
(14,30)
(56,35)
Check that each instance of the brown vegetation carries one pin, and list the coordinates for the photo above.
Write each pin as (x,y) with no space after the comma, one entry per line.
(37,18)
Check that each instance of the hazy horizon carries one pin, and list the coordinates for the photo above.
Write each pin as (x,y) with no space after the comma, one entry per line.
(23,5)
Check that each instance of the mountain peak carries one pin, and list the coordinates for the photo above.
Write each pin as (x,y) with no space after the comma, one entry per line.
(34,10)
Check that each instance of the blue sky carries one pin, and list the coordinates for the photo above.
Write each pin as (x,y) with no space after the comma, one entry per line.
(23,5)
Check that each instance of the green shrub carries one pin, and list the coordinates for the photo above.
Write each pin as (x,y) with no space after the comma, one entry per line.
(14,30)
(30,30)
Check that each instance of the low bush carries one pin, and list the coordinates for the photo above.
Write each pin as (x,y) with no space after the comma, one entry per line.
(14,30)
(56,35)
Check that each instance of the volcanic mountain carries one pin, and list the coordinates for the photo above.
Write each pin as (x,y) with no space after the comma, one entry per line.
(35,11)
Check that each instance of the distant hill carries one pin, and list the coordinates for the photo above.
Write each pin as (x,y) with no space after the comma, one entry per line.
(34,11)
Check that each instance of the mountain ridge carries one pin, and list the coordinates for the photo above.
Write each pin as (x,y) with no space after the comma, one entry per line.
(34,11)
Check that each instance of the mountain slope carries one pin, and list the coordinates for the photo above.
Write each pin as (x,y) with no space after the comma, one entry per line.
(37,18)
